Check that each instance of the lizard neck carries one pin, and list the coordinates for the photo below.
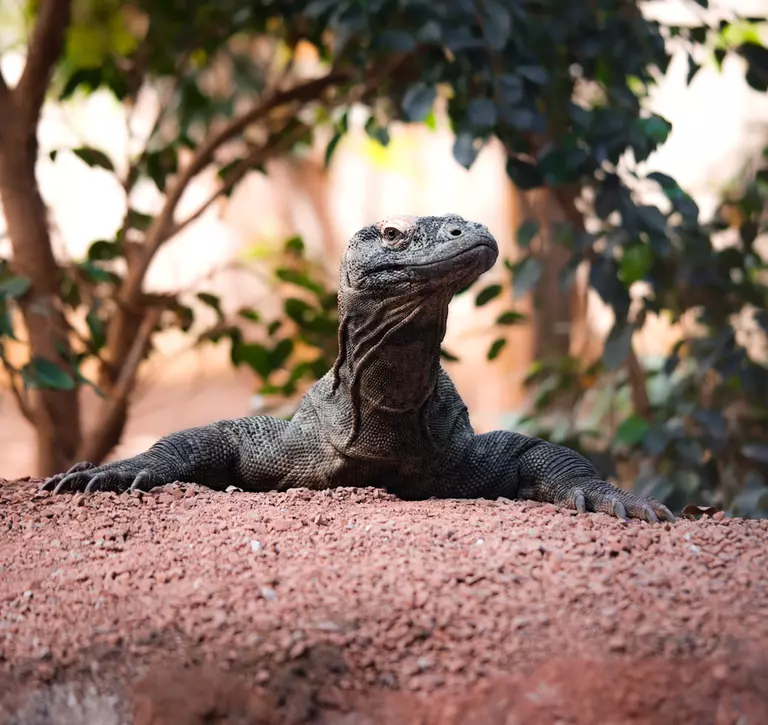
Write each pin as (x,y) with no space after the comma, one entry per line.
(389,355)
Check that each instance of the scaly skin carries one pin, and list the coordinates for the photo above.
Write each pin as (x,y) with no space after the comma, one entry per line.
(386,414)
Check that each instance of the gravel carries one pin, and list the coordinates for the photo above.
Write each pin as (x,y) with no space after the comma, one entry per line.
(186,605)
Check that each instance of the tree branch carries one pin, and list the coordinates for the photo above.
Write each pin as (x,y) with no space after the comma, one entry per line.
(159,230)
(45,47)
(274,144)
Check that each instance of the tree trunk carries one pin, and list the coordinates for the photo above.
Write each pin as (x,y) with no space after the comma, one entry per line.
(553,314)
(56,413)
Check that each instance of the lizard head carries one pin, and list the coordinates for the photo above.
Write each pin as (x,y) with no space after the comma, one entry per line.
(403,254)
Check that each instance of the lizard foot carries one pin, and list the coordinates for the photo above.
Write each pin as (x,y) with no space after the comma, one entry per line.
(603,497)
(118,476)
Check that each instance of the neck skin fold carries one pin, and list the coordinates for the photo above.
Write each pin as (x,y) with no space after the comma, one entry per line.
(389,352)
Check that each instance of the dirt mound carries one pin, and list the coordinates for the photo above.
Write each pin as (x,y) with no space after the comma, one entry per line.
(349,606)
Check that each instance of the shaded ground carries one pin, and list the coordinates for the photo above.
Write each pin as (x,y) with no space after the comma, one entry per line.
(348,606)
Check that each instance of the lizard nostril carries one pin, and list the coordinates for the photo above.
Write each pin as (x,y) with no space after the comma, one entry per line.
(455,232)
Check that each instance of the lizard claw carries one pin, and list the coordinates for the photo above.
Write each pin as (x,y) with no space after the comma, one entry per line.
(595,495)
(118,476)
(142,482)
(649,515)
(52,483)
(619,511)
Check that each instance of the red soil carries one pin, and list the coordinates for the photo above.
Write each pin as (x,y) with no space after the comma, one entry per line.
(349,606)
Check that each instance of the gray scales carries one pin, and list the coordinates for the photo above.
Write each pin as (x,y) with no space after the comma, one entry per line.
(386,414)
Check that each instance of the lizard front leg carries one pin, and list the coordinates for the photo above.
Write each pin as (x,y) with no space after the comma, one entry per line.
(518,466)
(247,452)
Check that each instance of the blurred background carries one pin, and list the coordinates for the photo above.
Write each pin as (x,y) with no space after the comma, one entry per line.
(190,248)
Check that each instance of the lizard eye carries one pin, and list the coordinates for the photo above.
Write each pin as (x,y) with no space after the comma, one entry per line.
(393,237)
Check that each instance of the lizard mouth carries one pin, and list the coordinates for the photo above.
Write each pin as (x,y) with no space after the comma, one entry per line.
(483,250)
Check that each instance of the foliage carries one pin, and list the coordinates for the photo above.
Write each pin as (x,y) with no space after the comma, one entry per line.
(297,347)
(561,85)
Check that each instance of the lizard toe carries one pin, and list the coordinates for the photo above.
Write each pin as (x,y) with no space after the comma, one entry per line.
(72,482)
(618,510)
(579,501)
(100,482)
(142,482)
(52,482)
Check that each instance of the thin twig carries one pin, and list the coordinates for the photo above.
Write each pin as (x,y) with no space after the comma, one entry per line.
(274,144)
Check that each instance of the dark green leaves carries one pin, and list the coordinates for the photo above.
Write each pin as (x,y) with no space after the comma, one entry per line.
(525,275)
(93,157)
(481,113)
(496,24)
(418,101)
(526,233)
(510,318)
(466,148)
(14,287)
(42,373)
(618,345)
(524,174)
(632,430)
(496,347)
(486,295)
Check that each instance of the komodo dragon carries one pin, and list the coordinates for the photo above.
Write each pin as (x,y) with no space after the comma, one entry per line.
(386,414)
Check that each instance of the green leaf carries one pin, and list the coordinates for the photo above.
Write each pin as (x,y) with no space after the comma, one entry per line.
(632,430)
(526,233)
(286,274)
(635,263)
(294,245)
(525,275)
(211,301)
(297,310)
(496,347)
(487,294)
(103,251)
(418,101)
(138,220)
(41,373)
(534,73)
(510,318)
(93,157)
(251,315)
(97,330)
(396,41)
(96,274)
(377,132)
(497,24)
(524,174)
(14,287)
(255,356)
(331,147)
(281,353)
(481,113)
(618,345)
(6,324)
(450,357)
(466,148)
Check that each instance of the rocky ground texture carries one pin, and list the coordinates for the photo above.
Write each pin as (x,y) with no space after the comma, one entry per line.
(190,606)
